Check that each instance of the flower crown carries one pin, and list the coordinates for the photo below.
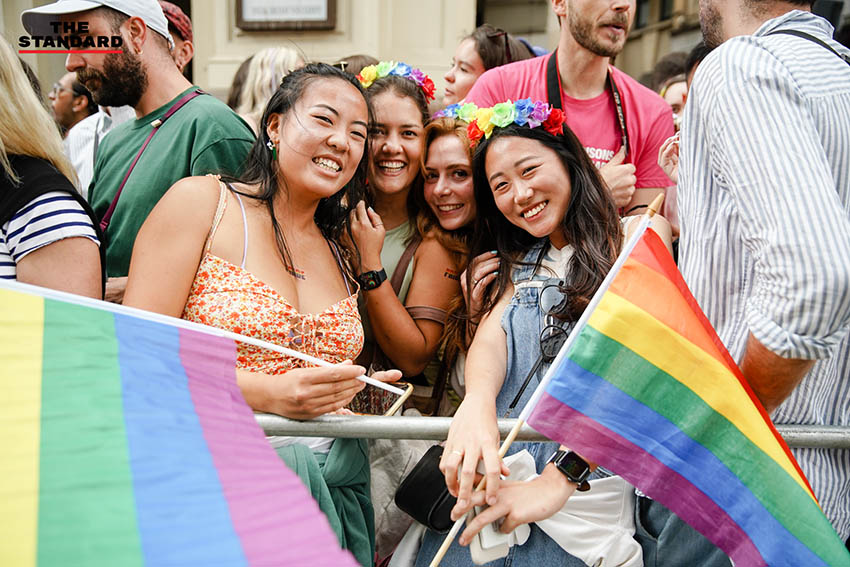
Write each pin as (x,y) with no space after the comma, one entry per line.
(523,112)
(370,74)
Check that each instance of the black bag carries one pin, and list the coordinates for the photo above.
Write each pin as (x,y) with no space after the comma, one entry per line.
(423,493)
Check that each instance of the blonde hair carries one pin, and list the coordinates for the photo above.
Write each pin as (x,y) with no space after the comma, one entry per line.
(25,126)
(267,68)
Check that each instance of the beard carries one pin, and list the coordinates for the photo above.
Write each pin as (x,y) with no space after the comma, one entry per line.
(122,81)
(711,24)
(583,31)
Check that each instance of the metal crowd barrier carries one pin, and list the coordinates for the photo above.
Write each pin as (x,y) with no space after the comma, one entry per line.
(437,429)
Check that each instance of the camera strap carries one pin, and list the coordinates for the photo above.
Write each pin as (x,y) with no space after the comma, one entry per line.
(555,92)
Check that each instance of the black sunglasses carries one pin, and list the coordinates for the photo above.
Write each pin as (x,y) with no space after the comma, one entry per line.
(552,301)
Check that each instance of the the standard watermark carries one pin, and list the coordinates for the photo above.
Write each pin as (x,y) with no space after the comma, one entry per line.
(70,37)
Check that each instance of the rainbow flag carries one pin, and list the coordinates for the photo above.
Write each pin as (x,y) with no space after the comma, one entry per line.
(127,442)
(649,391)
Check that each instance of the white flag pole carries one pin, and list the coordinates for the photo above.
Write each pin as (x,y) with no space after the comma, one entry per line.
(180,323)
(644,223)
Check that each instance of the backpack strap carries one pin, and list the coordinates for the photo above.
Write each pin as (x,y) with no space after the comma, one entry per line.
(813,39)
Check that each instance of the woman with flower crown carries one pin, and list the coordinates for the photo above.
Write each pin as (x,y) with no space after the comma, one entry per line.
(543,206)
(408,280)
(446,208)
(263,257)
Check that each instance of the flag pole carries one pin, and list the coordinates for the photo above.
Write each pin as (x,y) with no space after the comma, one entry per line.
(645,220)
(179,323)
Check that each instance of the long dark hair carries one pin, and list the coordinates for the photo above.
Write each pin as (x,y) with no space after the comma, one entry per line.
(262,170)
(591,224)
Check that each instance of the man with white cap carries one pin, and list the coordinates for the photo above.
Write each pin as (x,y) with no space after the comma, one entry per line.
(176,133)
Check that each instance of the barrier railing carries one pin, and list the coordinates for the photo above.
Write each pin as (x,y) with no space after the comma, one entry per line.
(437,428)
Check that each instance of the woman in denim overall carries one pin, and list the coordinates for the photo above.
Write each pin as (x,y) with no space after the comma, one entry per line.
(522,322)
(535,189)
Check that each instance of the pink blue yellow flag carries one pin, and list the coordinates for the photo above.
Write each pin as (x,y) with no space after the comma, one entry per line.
(648,390)
(127,442)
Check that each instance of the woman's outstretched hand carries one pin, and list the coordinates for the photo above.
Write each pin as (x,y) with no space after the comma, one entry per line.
(521,503)
(473,436)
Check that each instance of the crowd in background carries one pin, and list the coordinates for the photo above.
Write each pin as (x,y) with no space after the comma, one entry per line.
(451,240)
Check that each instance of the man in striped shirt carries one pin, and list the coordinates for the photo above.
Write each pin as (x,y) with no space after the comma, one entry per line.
(764,188)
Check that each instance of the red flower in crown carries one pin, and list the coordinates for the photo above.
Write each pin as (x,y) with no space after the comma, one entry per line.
(474,133)
(554,124)
(428,88)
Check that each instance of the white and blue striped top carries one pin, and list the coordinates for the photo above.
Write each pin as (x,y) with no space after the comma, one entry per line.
(44,220)
(764,189)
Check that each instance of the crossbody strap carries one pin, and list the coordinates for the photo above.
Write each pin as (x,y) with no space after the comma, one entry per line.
(398,275)
(804,35)
(104,222)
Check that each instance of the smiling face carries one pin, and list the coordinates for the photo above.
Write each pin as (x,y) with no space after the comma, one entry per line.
(601,26)
(396,143)
(530,185)
(448,182)
(467,66)
(321,140)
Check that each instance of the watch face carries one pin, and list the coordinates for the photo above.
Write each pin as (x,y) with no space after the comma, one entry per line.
(574,467)
(371,280)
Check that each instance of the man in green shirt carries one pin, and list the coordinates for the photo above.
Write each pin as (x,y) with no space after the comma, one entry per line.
(203,136)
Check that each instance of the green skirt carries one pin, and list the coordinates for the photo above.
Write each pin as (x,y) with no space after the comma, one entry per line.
(339,482)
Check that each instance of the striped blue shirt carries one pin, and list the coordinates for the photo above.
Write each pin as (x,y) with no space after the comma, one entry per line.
(764,202)
(44,220)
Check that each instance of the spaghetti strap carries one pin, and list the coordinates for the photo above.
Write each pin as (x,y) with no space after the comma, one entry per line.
(245,227)
(342,271)
(219,212)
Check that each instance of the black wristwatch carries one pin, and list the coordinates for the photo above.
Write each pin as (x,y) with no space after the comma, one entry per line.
(371,280)
(573,467)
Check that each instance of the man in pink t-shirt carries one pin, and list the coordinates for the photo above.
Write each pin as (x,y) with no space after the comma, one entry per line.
(593,31)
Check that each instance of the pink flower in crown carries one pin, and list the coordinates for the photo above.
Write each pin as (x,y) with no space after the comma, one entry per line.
(417,76)
(538,114)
